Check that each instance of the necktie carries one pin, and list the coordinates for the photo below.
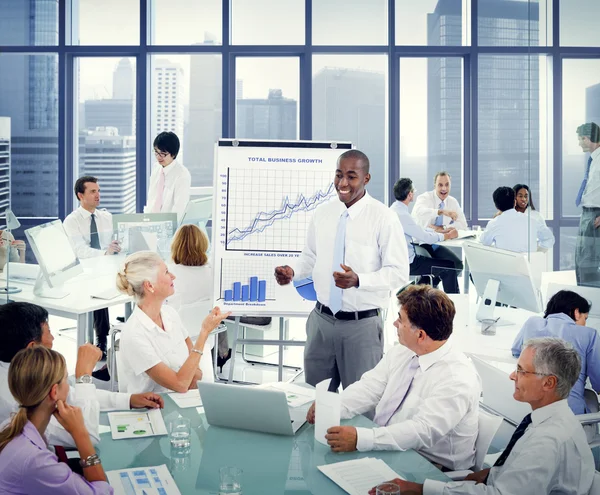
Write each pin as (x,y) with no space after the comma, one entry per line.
(94,239)
(583,182)
(388,409)
(439,221)
(519,432)
(335,292)
(160,189)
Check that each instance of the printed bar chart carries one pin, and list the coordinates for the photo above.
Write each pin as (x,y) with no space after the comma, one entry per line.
(256,290)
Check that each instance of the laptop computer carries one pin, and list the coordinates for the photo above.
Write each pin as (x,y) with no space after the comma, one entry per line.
(250,408)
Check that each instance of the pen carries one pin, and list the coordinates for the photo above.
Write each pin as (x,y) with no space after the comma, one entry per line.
(488,327)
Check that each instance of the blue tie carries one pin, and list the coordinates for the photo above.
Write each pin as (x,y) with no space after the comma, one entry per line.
(335,292)
(439,221)
(583,182)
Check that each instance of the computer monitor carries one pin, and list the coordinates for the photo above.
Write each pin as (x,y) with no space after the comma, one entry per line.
(56,258)
(591,294)
(501,276)
(199,212)
(145,232)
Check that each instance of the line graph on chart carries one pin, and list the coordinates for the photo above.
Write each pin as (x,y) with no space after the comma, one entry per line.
(270,209)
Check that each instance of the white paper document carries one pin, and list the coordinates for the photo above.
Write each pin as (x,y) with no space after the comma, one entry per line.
(358,476)
(191,398)
(295,395)
(136,424)
(327,406)
(143,481)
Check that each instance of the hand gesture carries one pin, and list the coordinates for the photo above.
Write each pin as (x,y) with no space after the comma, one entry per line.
(406,487)
(310,415)
(147,399)
(451,234)
(284,274)
(113,247)
(213,319)
(452,214)
(87,357)
(479,476)
(342,438)
(345,279)
(20,245)
(70,418)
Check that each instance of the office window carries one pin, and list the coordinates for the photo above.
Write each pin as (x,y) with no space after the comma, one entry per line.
(105,22)
(195,115)
(431,121)
(579,23)
(29,23)
(581,104)
(431,22)
(267,98)
(512,127)
(105,119)
(350,22)
(568,239)
(350,104)
(267,22)
(29,98)
(514,22)
(186,22)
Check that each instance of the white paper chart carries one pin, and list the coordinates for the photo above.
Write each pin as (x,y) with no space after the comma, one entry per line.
(265,195)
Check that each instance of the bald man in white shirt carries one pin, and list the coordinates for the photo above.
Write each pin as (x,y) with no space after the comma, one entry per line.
(424,392)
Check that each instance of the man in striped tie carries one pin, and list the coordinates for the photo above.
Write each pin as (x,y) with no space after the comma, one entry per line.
(424,393)
(548,453)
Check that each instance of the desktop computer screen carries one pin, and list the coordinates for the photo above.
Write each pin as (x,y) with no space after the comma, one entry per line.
(54,253)
(199,212)
(145,232)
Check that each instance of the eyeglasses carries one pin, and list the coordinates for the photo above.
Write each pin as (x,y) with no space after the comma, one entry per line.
(161,154)
(521,372)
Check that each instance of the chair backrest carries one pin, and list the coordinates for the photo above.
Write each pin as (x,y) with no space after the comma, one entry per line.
(497,390)
(595,490)
(488,426)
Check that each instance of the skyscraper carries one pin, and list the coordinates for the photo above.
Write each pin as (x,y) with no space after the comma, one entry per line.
(508,99)
(168,110)
(124,80)
(30,97)
(4,167)
(111,158)
(272,118)
(349,105)
(111,113)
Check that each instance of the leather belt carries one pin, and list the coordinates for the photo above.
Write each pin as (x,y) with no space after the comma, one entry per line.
(347,315)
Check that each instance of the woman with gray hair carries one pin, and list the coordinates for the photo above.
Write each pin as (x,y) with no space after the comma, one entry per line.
(156,351)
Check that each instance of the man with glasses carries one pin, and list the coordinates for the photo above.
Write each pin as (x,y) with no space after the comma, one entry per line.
(548,452)
(170,181)
(419,263)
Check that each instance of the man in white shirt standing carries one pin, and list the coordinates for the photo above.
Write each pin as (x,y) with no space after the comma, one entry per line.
(24,325)
(425,393)
(90,231)
(439,211)
(355,253)
(548,453)
(513,230)
(419,264)
(170,181)
(587,249)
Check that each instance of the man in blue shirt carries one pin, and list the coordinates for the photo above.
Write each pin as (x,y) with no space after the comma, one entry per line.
(423,265)
(565,317)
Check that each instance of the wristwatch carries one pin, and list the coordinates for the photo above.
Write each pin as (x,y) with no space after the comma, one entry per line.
(90,461)
(84,379)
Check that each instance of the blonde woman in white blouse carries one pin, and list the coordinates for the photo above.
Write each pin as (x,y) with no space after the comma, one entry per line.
(156,352)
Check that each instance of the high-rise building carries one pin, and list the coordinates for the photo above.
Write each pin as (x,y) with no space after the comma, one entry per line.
(272,118)
(239,89)
(30,97)
(124,80)
(168,89)
(508,99)
(110,113)
(4,167)
(111,158)
(205,115)
(349,105)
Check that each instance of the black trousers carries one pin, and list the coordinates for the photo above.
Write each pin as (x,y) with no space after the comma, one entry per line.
(101,327)
(443,253)
(423,265)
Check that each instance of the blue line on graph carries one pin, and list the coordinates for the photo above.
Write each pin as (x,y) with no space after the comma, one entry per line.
(266,219)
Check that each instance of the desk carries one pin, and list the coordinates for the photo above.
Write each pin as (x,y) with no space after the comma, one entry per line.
(99,274)
(272,464)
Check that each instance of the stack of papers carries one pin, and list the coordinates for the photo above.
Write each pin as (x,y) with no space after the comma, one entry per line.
(143,481)
(191,398)
(358,476)
(136,424)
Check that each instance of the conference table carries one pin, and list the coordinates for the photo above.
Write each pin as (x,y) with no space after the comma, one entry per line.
(271,464)
(99,274)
